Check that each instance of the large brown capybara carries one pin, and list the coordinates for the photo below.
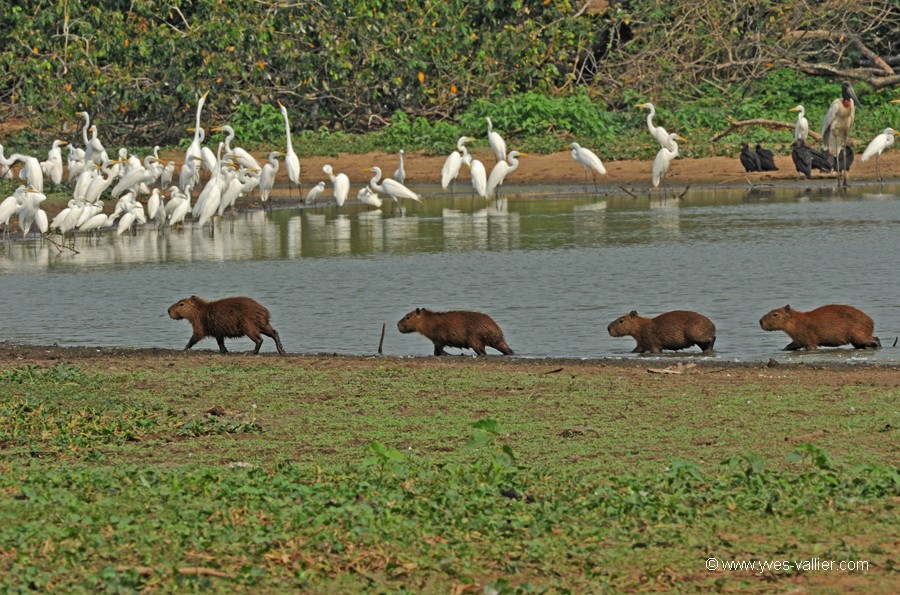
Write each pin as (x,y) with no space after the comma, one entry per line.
(828,326)
(456,328)
(226,318)
(678,329)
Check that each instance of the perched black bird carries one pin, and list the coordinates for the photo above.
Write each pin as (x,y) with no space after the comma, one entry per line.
(802,157)
(766,159)
(821,161)
(749,159)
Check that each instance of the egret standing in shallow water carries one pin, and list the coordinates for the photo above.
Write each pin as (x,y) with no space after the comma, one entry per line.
(589,160)
(391,187)
(340,183)
(400,172)
(836,128)
(801,130)
(291,161)
(314,193)
(450,169)
(498,145)
(878,144)
(500,171)
(664,158)
(267,176)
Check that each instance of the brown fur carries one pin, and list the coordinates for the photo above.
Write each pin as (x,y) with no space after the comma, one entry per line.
(827,326)
(456,328)
(225,318)
(678,329)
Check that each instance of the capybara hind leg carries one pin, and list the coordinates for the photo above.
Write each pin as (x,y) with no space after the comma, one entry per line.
(875,343)
(792,346)
(274,335)
(439,349)
(221,342)
(503,348)
(707,347)
(257,340)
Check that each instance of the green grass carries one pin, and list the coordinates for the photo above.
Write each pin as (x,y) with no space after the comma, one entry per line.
(355,474)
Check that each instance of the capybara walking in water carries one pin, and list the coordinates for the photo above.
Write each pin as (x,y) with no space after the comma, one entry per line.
(828,326)
(456,328)
(678,329)
(226,318)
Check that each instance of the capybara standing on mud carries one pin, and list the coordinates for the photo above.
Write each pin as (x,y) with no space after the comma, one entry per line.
(226,318)
(456,328)
(827,326)
(678,329)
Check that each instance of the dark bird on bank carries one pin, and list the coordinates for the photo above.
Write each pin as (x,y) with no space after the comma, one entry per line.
(766,159)
(749,158)
(836,126)
(806,159)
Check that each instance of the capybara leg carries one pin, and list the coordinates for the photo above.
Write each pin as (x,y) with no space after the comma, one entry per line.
(708,346)
(875,343)
(274,335)
(792,346)
(477,346)
(221,342)
(194,338)
(503,348)
(439,349)
(256,340)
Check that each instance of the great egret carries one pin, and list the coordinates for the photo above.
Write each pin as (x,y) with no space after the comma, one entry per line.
(368,197)
(291,161)
(766,159)
(498,145)
(589,161)
(340,183)
(98,183)
(241,183)
(500,171)
(314,193)
(237,153)
(153,204)
(208,202)
(878,144)
(98,152)
(31,172)
(30,211)
(749,158)
(836,127)
(193,149)
(10,206)
(165,179)
(5,164)
(391,187)
(478,174)
(74,161)
(53,166)
(657,132)
(95,223)
(664,158)
(142,174)
(454,160)
(400,172)
(801,130)
(267,176)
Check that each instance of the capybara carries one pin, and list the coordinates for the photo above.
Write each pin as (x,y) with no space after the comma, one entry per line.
(678,329)
(828,326)
(456,328)
(228,317)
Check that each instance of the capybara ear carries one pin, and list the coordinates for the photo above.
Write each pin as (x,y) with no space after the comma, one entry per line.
(418,311)
(193,298)
(787,308)
(633,313)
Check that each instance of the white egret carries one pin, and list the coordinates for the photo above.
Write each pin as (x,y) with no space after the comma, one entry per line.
(99,184)
(368,197)
(500,171)
(208,202)
(498,145)
(243,182)
(190,173)
(137,175)
(95,223)
(267,176)
(74,161)
(478,174)
(165,179)
(5,164)
(237,153)
(98,152)
(400,172)
(836,127)
(801,130)
(314,193)
(193,149)
(664,158)
(89,211)
(31,172)
(88,148)
(178,207)
(454,160)
(878,144)
(339,182)
(30,211)
(10,206)
(53,166)
(291,161)
(589,160)
(657,132)
(153,204)
(391,187)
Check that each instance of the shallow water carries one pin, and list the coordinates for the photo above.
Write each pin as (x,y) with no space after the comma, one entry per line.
(552,270)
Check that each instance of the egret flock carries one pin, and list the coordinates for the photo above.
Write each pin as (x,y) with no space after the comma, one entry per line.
(232,172)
